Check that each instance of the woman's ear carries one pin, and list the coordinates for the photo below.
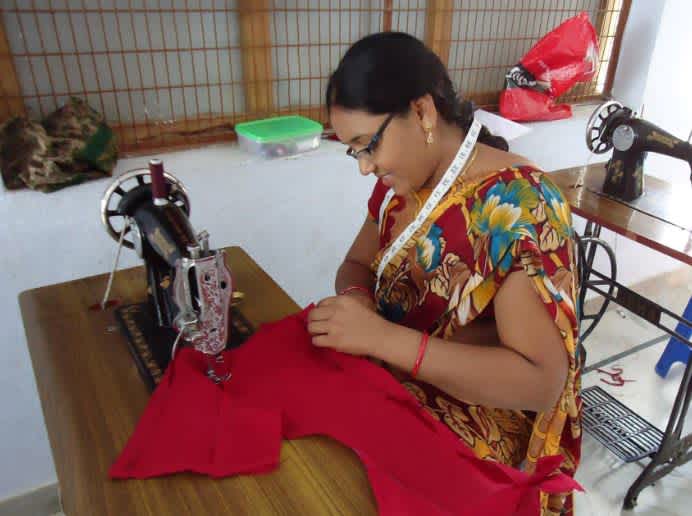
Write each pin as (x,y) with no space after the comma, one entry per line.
(425,111)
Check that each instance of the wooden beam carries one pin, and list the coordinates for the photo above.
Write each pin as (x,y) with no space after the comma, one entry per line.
(255,41)
(387,16)
(438,27)
(138,139)
(12,103)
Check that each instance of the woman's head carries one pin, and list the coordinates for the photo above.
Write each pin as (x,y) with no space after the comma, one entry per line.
(390,89)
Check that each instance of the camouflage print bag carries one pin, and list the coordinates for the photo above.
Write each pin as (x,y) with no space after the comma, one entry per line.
(73,145)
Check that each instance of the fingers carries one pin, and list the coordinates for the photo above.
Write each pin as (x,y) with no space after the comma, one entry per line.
(318,328)
(321,341)
(320,314)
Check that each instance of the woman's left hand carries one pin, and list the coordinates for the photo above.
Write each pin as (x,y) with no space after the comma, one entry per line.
(345,324)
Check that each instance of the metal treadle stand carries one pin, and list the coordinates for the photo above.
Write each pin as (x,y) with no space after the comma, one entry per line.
(621,430)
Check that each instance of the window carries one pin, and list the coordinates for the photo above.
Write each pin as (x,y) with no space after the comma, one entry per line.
(171,73)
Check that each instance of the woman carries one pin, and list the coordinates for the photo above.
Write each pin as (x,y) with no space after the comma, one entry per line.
(473,308)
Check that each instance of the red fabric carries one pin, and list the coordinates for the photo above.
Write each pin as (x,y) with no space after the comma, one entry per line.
(188,424)
(284,386)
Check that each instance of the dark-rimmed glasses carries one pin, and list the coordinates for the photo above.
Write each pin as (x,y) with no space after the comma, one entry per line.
(368,150)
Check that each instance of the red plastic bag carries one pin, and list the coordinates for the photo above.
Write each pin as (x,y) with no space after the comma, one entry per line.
(563,57)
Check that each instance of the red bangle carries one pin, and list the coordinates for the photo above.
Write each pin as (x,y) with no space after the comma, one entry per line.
(421,353)
(358,288)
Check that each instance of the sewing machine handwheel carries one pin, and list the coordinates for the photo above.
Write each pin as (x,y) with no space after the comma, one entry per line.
(110,215)
(597,124)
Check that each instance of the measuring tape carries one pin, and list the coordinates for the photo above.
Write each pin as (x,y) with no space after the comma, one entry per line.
(448,179)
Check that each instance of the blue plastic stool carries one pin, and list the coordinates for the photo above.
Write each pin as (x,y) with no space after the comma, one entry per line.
(676,351)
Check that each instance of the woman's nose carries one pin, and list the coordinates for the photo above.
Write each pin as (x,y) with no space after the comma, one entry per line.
(366,166)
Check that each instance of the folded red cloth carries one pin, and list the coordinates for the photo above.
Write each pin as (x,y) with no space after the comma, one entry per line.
(283,386)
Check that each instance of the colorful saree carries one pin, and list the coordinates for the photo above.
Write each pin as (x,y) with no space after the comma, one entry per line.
(447,275)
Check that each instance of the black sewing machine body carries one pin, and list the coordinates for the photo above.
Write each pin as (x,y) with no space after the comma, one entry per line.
(162,237)
(613,126)
(189,286)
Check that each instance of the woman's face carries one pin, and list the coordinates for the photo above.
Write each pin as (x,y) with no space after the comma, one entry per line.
(401,158)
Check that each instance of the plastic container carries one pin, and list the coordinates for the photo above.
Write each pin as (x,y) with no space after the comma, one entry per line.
(279,136)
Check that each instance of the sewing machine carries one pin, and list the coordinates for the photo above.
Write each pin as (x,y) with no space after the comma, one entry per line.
(189,286)
(657,217)
(613,126)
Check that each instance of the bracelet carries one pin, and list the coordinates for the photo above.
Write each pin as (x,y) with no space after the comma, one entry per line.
(421,353)
(358,288)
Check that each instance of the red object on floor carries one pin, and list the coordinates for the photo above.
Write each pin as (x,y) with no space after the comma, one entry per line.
(283,386)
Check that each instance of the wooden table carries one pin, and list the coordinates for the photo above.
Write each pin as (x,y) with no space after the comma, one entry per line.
(92,397)
(669,233)
(661,220)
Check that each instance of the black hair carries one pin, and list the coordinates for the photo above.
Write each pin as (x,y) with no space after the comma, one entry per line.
(384,72)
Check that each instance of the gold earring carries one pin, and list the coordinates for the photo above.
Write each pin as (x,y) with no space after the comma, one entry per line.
(429,139)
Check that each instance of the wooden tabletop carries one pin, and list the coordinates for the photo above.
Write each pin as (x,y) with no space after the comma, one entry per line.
(92,397)
(664,222)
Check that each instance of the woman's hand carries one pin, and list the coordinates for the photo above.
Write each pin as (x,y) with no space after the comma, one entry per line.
(346,323)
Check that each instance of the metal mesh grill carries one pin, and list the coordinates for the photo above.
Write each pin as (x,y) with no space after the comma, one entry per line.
(618,428)
(170,73)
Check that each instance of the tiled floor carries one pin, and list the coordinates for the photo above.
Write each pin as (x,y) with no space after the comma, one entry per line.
(604,477)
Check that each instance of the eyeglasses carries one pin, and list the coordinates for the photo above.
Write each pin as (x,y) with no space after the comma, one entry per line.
(370,148)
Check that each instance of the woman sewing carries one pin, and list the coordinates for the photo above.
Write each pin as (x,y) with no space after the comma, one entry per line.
(461,280)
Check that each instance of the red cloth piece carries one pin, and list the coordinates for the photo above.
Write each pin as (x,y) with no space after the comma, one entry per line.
(190,424)
(414,463)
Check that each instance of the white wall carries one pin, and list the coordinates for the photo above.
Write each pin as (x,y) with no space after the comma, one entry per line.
(285,214)
(643,27)
(667,100)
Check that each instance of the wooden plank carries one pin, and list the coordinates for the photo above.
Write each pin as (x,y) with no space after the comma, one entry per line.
(256,46)
(12,103)
(92,397)
(134,139)
(138,138)
(438,27)
(387,16)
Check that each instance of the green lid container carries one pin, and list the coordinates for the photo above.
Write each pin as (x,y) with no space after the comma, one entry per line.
(279,129)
